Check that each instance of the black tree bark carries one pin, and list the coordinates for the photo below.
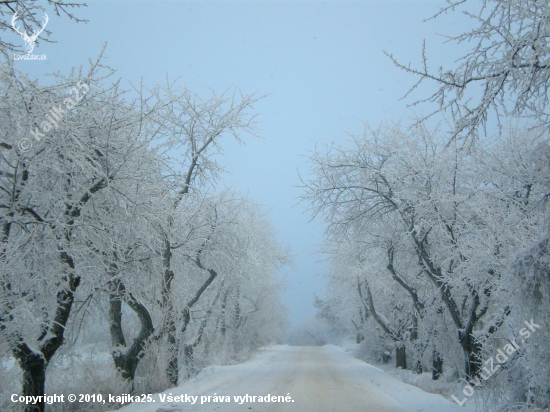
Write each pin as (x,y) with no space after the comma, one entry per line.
(127,360)
(437,365)
(400,356)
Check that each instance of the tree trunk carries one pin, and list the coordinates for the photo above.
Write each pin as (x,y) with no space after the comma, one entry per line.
(189,360)
(400,352)
(418,348)
(237,308)
(473,361)
(363,316)
(167,309)
(127,360)
(400,356)
(34,363)
(126,366)
(34,378)
(472,353)
(359,337)
(221,320)
(437,365)
(472,347)
(172,371)
(418,366)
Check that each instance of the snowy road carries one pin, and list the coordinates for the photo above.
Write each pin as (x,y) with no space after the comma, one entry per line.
(319,379)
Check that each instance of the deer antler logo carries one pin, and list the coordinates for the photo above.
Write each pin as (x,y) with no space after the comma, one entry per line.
(29,40)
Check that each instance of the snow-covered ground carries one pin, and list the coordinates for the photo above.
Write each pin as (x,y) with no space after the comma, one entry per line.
(305,379)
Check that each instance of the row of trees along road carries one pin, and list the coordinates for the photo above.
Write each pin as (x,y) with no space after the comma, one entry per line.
(112,214)
(439,236)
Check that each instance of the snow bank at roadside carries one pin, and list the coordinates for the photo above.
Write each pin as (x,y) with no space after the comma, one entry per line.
(424,381)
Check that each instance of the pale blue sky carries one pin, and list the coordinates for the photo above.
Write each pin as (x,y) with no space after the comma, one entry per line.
(321,63)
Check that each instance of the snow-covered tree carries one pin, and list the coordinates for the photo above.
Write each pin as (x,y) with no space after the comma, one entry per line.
(109,200)
(28,18)
(65,149)
(506,72)
(193,130)
(429,213)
